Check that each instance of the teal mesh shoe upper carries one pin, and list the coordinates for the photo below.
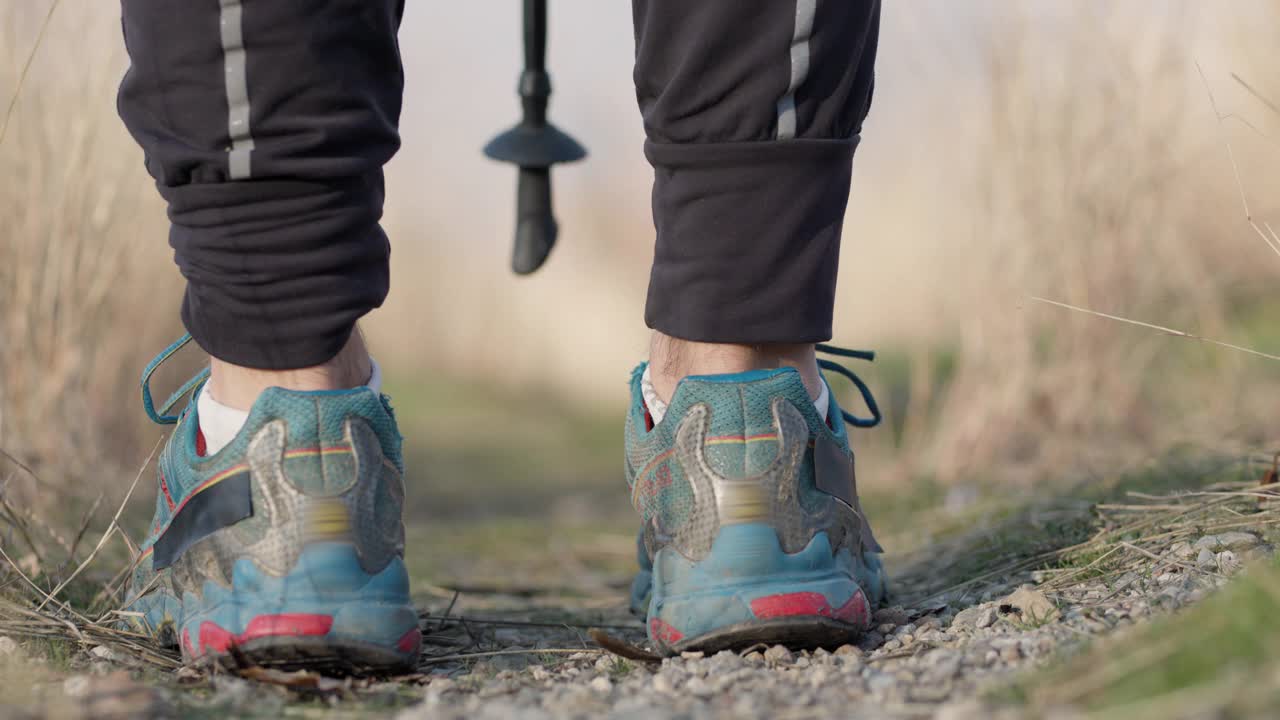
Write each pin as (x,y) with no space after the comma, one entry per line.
(306,469)
(759,426)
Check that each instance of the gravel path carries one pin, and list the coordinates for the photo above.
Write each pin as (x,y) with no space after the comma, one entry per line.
(908,667)
(976,609)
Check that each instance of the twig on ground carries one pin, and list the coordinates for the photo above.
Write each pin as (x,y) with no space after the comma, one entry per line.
(439,659)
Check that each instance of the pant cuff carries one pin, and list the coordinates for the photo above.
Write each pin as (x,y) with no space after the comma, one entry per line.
(748,239)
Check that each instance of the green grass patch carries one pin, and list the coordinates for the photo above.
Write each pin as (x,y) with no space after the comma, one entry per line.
(1221,654)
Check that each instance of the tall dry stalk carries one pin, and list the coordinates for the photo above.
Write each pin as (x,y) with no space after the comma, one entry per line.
(1093,193)
(79,299)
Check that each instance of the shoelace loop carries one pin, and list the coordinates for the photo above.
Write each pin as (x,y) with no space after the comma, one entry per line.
(839,369)
(161,416)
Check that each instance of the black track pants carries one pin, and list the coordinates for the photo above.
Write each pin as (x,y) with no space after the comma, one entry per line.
(266,125)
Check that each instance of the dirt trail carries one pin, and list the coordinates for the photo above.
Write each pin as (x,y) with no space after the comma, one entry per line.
(995,593)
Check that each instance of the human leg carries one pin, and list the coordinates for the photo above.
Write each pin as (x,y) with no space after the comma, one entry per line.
(266,126)
(752,528)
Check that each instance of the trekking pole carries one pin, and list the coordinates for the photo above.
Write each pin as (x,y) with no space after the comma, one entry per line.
(534,145)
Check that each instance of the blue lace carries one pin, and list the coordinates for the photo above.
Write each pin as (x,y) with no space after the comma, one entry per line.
(162,416)
(839,369)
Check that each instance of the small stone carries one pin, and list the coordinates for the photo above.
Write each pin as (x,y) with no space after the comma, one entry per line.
(102,652)
(930,623)
(698,686)
(1011,653)
(1227,561)
(844,650)
(906,639)
(1206,558)
(539,673)
(725,661)
(1208,542)
(1236,540)
(886,628)
(1183,550)
(881,683)
(1031,604)
(601,684)
(662,684)
(76,686)
(966,617)
(871,641)
(754,657)
(891,615)
(817,677)
(778,654)
(986,618)
(891,644)
(696,655)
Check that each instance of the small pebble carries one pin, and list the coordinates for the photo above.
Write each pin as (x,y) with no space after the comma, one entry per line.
(778,654)
(986,618)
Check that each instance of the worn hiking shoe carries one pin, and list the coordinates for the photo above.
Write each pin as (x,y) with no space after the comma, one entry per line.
(752,530)
(287,545)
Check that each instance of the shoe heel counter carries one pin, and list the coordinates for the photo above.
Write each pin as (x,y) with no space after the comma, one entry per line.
(308,488)
(343,491)
(770,494)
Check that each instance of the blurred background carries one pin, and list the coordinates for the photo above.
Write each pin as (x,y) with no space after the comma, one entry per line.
(1062,150)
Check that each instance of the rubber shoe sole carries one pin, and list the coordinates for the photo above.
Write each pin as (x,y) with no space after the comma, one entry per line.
(327,613)
(748,591)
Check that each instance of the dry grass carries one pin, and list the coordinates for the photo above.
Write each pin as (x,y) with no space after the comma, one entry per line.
(76,210)
(1103,184)
(1085,166)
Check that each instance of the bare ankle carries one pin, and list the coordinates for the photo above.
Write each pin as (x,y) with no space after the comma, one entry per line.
(672,359)
(239,387)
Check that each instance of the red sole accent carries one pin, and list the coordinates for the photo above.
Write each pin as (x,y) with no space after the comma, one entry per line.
(214,638)
(411,642)
(854,611)
(664,632)
(186,643)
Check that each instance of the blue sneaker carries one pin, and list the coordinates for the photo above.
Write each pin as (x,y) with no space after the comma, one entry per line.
(752,529)
(288,544)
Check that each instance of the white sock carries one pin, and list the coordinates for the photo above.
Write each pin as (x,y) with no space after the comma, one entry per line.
(220,424)
(658,408)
